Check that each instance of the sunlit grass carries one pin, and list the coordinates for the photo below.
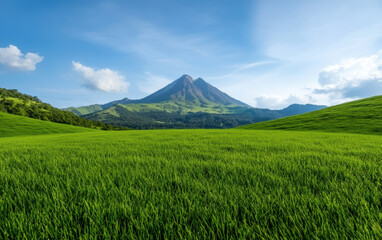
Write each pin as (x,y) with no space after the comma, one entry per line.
(207,184)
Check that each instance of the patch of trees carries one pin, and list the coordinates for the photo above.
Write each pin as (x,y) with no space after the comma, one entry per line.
(11,101)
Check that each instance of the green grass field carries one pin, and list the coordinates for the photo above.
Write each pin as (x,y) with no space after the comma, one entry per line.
(191,184)
(13,125)
(361,116)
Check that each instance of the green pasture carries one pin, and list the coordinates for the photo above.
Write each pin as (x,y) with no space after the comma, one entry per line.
(191,184)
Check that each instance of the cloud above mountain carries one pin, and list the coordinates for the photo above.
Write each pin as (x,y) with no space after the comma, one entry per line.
(104,80)
(12,58)
(352,78)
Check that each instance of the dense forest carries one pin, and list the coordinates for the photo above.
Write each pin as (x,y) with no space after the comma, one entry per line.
(14,102)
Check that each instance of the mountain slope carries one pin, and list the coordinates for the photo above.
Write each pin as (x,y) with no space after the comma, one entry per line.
(13,125)
(213,94)
(362,116)
(181,89)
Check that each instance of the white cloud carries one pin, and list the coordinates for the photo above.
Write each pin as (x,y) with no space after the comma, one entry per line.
(12,58)
(104,79)
(153,83)
(352,78)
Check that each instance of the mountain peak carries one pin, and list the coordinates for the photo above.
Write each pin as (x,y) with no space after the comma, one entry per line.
(199,80)
(186,77)
(187,89)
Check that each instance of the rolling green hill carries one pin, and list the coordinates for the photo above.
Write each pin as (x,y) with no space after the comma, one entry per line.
(13,125)
(362,116)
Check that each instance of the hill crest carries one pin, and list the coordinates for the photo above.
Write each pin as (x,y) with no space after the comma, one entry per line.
(361,116)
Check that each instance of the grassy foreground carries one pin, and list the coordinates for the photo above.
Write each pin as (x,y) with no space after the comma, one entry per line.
(361,116)
(187,184)
(13,125)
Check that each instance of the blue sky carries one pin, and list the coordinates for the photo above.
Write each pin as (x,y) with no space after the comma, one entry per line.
(268,53)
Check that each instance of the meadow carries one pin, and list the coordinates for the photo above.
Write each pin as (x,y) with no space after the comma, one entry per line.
(191,184)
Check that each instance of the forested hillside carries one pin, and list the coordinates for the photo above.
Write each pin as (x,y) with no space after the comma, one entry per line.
(14,102)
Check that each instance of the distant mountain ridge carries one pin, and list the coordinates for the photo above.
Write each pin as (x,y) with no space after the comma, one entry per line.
(185,103)
(296,109)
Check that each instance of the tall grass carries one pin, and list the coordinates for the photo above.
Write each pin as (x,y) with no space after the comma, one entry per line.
(191,184)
